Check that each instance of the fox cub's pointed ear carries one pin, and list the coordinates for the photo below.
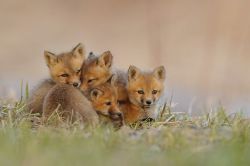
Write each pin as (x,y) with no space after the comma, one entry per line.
(160,73)
(95,93)
(79,51)
(105,60)
(50,58)
(133,73)
(112,80)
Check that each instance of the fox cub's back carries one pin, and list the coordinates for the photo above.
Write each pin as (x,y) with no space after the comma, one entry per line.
(71,103)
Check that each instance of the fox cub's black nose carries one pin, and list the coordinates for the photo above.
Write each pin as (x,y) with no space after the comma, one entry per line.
(148,102)
(116,115)
(75,84)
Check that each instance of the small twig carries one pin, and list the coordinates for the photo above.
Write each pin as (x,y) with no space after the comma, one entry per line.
(166,121)
(170,103)
(163,110)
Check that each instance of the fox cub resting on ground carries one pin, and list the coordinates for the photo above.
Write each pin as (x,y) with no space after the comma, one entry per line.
(58,94)
(64,68)
(134,106)
(100,106)
(144,89)
(97,69)
(136,91)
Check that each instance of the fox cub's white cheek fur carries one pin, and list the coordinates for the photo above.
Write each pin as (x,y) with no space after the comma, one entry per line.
(145,88)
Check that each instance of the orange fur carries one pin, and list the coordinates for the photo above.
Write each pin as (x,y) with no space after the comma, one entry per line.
(64,68)
(144,89)
(96,70)
(104,101)
(71,103)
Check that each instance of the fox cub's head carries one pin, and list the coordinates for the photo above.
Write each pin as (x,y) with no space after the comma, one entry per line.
(145,88)
(104,101)
(96,70)
(66,67)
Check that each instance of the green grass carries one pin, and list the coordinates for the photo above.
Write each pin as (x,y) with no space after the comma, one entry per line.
(174,139)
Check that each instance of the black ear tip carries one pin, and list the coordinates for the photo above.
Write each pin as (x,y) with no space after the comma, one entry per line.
(79,48)
(79,45)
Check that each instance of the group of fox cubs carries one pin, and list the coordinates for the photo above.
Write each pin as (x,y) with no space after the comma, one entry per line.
(87,88)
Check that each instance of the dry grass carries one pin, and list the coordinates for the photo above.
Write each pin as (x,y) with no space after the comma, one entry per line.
(173,139)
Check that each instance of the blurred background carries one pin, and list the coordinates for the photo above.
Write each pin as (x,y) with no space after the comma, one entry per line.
(204,45)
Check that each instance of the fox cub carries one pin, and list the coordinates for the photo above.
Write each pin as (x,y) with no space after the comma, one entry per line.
(64,68)
(100,104)
(98,69)
(144,89)
(104,100)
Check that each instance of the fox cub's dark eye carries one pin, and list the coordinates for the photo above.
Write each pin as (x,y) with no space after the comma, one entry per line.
(108,103)
(64,75)
(78,71)
(91,80)
(154,92)
(140,92)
